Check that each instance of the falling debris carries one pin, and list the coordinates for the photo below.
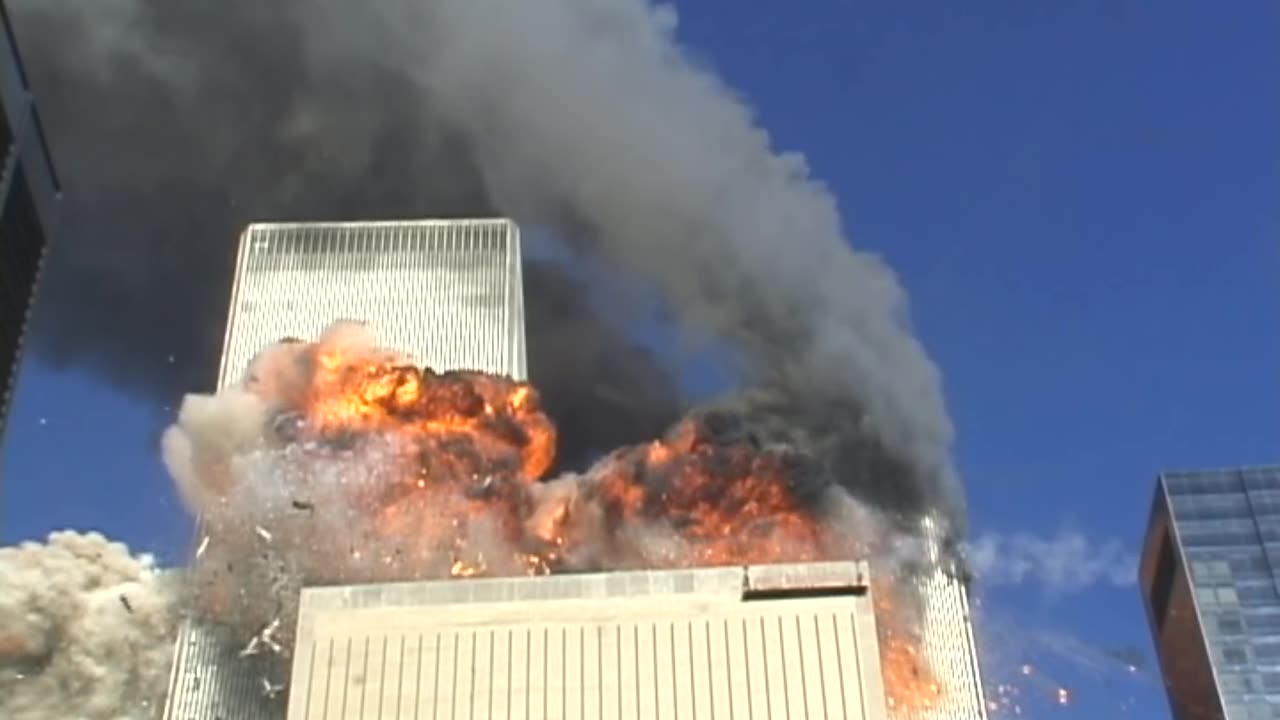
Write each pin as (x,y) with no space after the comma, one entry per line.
(413,474)
(204,545)
(252,648)
(264,640)
(124,600)
(270,689)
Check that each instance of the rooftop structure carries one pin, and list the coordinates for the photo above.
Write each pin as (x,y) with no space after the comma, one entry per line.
(778,641)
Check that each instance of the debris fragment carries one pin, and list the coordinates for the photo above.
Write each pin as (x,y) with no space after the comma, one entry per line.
(270,689)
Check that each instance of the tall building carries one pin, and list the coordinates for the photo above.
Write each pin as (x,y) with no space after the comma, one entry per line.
(775,641)
(29,194)
(1209,574)
(947,636)
(447,292)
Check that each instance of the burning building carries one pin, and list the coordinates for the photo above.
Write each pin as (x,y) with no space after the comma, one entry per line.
(946,634)
(448,291)
(404,444)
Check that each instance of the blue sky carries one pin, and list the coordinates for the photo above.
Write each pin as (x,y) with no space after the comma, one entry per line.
(1083,200)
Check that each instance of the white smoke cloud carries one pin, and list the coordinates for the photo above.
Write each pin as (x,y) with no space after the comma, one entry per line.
(86,630)
(1066,562)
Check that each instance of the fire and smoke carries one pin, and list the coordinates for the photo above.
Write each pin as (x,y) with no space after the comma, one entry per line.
(582,118)
(338,462)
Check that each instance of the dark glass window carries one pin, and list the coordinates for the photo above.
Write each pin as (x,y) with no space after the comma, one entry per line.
(1219,537)
(1230,625)
(1234,655)
(1211,507)
(1255,595)
(6,135)
(1262,479)
(1203,483)
(1263,622)
(1250,564)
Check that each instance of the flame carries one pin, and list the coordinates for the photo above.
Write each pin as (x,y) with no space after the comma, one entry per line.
(910,685)
(730,504)
(462,495)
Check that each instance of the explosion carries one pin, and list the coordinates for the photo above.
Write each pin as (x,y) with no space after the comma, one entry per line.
(337,462)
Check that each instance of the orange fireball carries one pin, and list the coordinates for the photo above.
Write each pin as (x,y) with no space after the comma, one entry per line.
(459,494)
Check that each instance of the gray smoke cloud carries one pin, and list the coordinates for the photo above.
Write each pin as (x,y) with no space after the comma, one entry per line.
(86,630)
(583,117)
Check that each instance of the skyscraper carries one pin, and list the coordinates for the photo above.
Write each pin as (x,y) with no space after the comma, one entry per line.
(447,292)
(947,634)
(1209,574)
(29,194)
(777,641)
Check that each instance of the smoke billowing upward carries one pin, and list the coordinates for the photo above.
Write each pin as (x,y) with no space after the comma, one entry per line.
(581,117)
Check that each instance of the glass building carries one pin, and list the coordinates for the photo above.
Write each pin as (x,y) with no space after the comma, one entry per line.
(29,193)
(1209,573)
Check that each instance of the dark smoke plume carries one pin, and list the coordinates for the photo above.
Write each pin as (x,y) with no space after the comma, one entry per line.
(177,122)
(181,158)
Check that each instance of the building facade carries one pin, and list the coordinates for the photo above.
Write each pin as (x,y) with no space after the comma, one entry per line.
(29,195)
(446,292)
(778,641)
(1209,575)
(947,635)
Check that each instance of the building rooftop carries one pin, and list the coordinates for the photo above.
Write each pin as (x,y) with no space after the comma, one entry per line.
(769,641)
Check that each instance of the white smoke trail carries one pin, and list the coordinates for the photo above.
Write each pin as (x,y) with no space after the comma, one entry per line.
(86,630)
(1066,562)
